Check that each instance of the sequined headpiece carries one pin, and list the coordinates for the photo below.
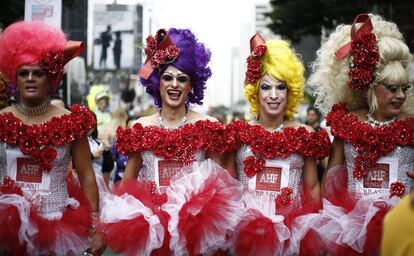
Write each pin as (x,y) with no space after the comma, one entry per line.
(53,61)
(364,54)
(254,61)
(159,50)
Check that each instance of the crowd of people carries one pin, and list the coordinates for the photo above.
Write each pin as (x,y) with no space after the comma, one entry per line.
(186,183)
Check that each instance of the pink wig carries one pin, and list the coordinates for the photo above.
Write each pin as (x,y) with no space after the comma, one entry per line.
(24,42)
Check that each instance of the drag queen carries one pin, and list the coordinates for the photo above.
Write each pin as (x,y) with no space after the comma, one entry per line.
(182,203)
(275,157)
(360,76)
(43,209)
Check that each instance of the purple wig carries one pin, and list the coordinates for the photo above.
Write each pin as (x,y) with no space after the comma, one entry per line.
(192,60)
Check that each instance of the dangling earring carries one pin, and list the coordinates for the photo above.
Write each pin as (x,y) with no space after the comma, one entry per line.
(12,89)
(187,102)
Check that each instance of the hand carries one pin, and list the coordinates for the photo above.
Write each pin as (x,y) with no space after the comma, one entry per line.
(98,244)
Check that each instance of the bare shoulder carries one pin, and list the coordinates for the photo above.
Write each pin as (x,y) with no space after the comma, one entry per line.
(252,122)
(57,111)
(361,114)
(7,109)
(146,120)
(195,116)
(297,125)
(405,116)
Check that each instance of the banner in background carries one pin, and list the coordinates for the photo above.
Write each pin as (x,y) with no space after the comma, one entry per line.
(49,11)
(115,29)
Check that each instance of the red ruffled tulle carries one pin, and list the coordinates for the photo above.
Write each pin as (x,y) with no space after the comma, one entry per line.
(73,220)
(255,235)
(308,205)
(164,250)
(374,233)
(50,233)
(372,242)
(127,236)
(311,243)
(336,191)
(200,216)
(10,225)
(140,190)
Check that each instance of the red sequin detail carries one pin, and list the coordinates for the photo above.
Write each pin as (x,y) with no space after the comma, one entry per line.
(253,165)
(254,64)
(269,145)
(53,63)
(180,144)
(397,189)
(37,140)
(9,187)
(284,198)
(365,57)
(158,57)
(370,142)
(156,198)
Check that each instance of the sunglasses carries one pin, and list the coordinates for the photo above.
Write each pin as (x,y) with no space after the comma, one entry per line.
(394,88)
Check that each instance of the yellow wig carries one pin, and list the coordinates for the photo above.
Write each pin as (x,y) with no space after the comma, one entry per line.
(281,63)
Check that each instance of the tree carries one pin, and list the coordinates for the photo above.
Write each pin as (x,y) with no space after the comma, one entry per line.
(294,19)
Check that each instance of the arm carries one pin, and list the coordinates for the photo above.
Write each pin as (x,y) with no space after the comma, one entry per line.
(310,178)
(81,157)
(229,163)
(133,166)
(336,158)
(216,157)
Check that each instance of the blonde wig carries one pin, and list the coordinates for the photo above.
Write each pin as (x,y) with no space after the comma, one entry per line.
(330,78)
(281,63)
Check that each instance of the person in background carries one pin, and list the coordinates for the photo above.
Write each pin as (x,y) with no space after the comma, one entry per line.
(313,118)
(102,112)
(105,40)
(118,120)
(117,50)
(97,149)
